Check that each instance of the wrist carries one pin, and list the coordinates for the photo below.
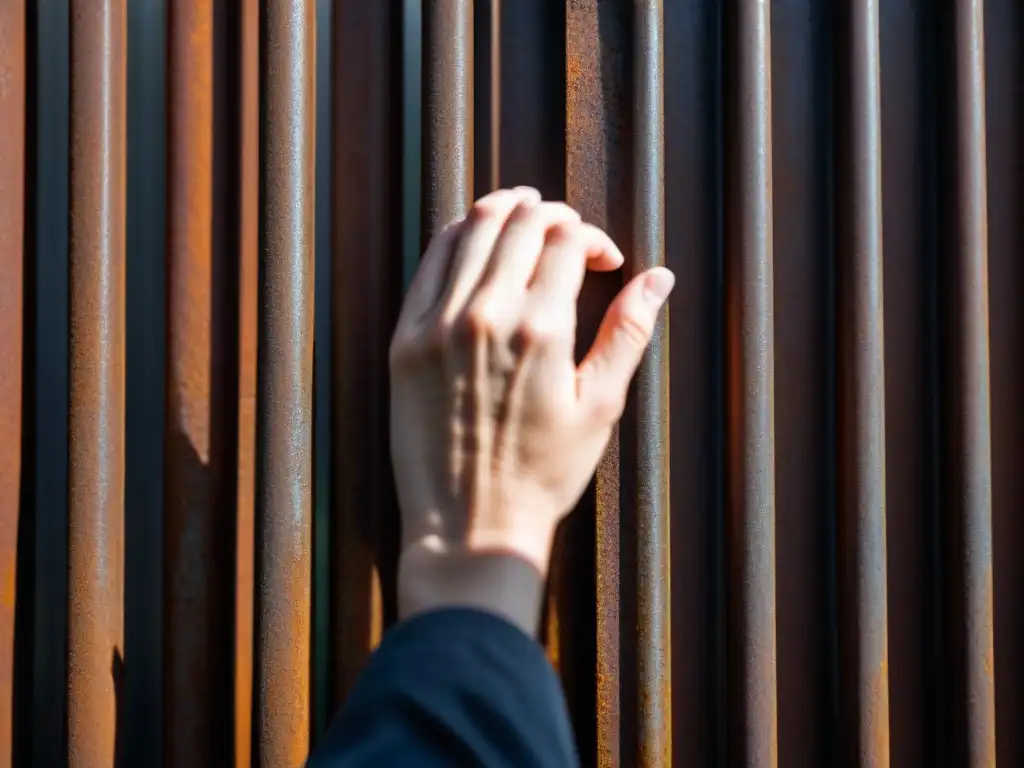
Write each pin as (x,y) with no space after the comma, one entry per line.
(504,582)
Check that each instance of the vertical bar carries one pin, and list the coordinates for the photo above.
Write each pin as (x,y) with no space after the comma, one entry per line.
(750,447)
(248,301)
(654,672)
(366,182)
(96,411)
(860,380)
(448,112)
(200,409)
(12,233)
(284,405)
(969,454)
(599,166)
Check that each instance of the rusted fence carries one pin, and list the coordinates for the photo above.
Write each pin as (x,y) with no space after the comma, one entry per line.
(208,209)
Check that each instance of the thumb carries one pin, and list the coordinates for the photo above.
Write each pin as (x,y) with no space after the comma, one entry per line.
(604,375)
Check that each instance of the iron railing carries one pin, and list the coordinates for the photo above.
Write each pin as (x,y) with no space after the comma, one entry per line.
(208,209)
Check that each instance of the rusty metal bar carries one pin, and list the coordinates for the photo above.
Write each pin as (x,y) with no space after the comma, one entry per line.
(366,182)
(12,232)
(599,167)
(860,382)
(248,301)
(969,453)
(750,360)
(654,669)
(284,417)
(447,112)
(200,414)
(96,411)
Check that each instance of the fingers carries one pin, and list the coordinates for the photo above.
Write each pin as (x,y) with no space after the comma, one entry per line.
(604,375)
(569,251)
(481,230)
(518,249)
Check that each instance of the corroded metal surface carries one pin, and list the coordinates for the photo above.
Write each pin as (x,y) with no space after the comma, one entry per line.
(200,434)
(750,360)
(447,112)
(969,448)
(860,381)
(598,168)
(651,437)
(366,187)
(283,531)
(12,229)
(248,279)
(96,407)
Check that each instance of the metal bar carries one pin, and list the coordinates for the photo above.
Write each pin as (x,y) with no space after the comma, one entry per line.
(969,454)
(599,169)
(447,112)
(97,363)
(860,381)
(200,410)
(12,232)
(750,446)
(366,182)
(248,301)
(654,671)
(284,416)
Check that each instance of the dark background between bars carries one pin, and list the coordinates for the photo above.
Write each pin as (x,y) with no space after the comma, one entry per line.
(207,214)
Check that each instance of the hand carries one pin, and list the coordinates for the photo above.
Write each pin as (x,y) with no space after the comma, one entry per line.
(495,431)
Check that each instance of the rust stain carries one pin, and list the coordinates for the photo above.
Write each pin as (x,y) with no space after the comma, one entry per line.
(12,223)
(248,260)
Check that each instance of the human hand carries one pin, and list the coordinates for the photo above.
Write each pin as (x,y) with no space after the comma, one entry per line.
(495,431)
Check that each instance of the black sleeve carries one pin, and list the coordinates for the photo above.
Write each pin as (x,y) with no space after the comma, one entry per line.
(453,687)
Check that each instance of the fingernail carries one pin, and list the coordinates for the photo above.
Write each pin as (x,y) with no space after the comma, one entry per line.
(658,285)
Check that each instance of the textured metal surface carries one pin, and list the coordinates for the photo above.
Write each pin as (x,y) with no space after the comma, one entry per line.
(285,385)
(599,170)
(860,394)
(248,290)
(447,112)
(96,408)
(890,576)
(968,453)
(366,289)
(200,432)
(12,229)
(750,362)
(654,669)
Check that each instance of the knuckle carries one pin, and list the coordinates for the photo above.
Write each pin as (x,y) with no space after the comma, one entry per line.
(479,320)
(563,233)
(635,328)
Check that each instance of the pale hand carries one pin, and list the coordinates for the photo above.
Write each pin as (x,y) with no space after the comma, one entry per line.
(495,431)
